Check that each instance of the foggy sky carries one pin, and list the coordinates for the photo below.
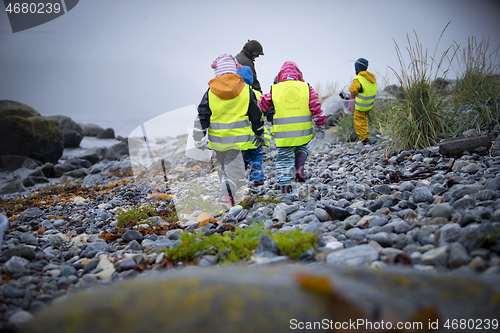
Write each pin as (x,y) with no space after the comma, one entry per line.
(136,59)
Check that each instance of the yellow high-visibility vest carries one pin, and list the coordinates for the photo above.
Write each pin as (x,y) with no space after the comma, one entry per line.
(292,121)
(364,100)
(230,127)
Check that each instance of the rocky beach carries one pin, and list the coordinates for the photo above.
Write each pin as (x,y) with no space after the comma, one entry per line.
(396,231)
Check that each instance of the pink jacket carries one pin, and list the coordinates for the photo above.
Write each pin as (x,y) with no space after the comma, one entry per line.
(289,70)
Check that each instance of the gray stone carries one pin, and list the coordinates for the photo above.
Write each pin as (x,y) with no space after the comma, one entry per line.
(299,215)
(267,244)
(95,247)
(337,213)
(458,255)
(493,184)
(383,189)
(402,227)
(362,211)
(378,221)
(28,238)
(382,238)
(472,168)
(321,214)
(134,246)
(67,270)
(485,195)
(131,235)
(32,212)
(477,264)
(356,255)
(466,202)
(20,318)
(23,251)
(437,257)
(356,233)
(441,210)
(422,194)
(406,186)
(312,227)
(55,240)
(235,210)
(449,233)
(279,215)
(13,289)
(15,265)
(47,225)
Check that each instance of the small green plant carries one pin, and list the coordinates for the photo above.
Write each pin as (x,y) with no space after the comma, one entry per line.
(134,215)
(239,244)
(294,243)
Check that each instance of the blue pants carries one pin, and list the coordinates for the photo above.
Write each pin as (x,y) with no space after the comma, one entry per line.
(285,163)
(253,159)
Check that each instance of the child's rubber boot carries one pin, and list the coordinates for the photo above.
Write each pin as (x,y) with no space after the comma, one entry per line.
(286,189)
(227,202)
(300,160)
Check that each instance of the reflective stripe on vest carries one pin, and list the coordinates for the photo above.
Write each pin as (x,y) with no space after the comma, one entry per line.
(365,99)
(292,122)
(229,127)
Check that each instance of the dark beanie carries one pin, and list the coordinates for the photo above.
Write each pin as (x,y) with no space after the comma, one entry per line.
(361,65)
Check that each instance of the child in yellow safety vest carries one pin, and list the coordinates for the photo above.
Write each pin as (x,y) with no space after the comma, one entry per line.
(228,120)
(253,156)
(295,106)
(363,89)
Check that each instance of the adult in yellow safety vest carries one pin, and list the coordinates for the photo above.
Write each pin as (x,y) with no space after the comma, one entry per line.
(229,121)
(364,90)
(292,106)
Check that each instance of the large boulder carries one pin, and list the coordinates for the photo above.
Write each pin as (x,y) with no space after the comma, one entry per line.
(72,131)
(11,108)
(91,130)
(275,299)
(37,137)
(108,133)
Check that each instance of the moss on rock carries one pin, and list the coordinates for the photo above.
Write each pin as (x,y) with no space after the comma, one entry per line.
(37,137)
(11,108)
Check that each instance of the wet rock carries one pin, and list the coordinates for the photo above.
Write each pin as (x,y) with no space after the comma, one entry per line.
(456,147)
